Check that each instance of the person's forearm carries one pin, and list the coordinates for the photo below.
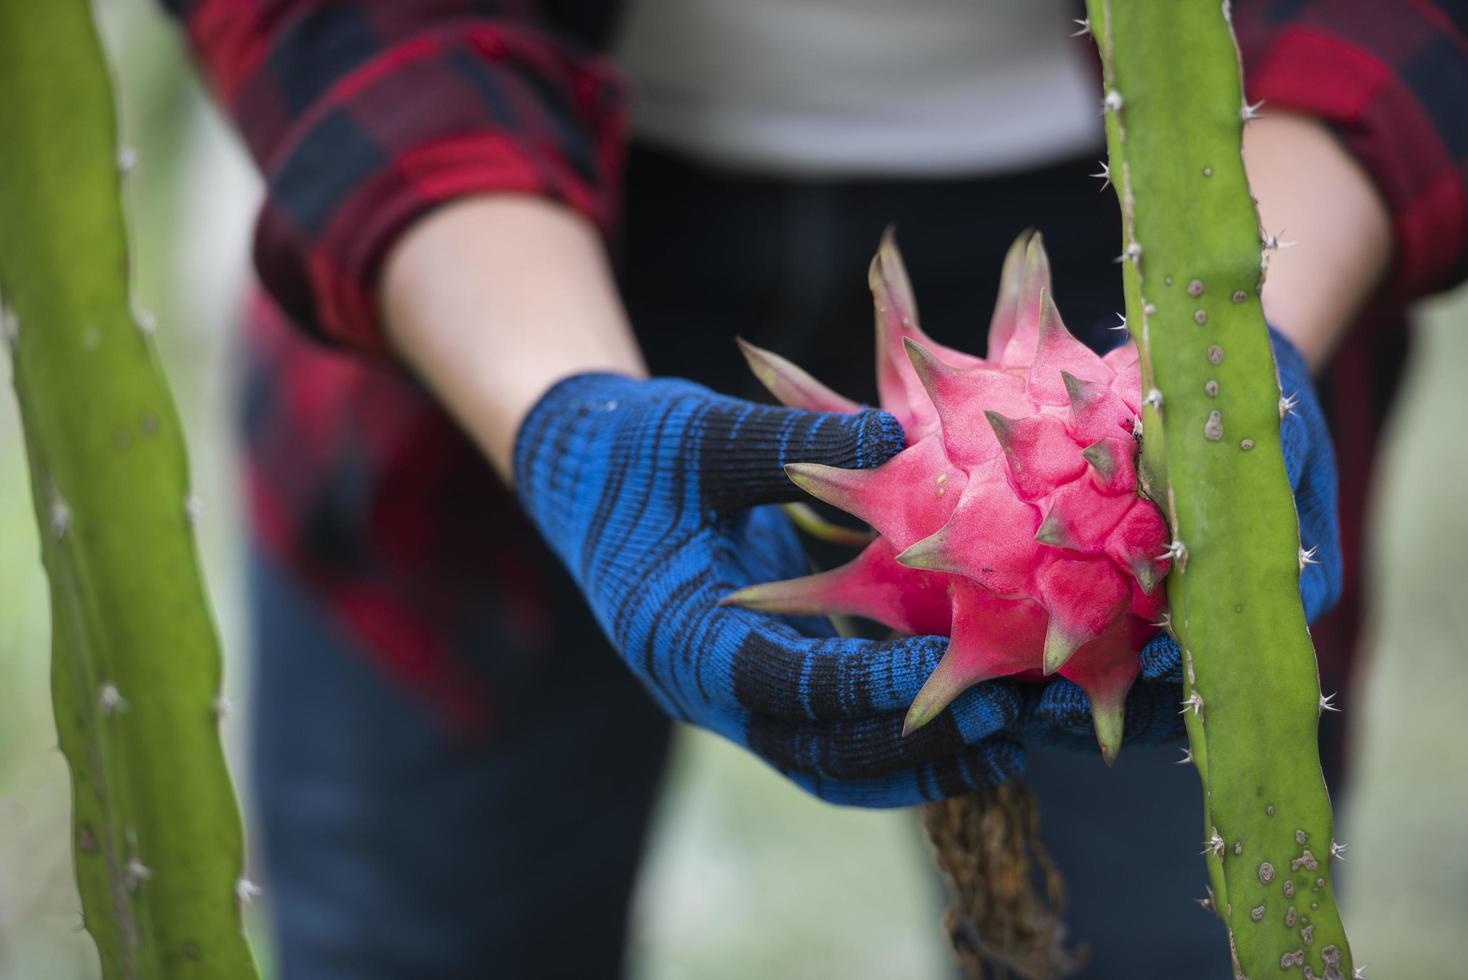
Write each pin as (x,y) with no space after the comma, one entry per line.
(1311,191)
(492,300)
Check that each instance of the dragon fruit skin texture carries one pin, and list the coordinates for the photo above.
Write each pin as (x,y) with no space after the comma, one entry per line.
(1012,520)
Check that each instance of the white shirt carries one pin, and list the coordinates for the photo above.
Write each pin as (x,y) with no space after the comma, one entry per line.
(861,87)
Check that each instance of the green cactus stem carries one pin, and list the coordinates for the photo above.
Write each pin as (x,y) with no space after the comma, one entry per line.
(135,660)
(1193,267)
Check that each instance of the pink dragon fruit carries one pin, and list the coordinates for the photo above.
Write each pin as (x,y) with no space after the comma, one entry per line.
(1012,521)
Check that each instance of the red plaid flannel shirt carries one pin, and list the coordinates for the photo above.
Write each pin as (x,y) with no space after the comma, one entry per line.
(364,114)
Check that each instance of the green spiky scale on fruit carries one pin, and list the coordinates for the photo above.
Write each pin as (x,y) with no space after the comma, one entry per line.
(1011,522)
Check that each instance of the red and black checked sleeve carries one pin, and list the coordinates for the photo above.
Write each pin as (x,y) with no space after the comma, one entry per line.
(1391,78)
(364,114)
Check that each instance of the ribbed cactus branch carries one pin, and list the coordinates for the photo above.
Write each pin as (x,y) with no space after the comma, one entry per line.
(1191,256)
(135,659)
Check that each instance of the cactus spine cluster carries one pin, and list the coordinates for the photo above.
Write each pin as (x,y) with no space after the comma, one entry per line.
(1194,259)
(135,659)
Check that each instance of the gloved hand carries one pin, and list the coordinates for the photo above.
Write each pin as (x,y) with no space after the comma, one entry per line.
(1060,712)
(650,492)
(645,489)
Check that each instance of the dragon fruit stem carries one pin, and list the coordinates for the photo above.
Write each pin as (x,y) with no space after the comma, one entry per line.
(1192,269)
(135,668)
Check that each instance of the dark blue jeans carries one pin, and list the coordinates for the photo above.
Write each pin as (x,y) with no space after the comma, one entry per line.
(397,850)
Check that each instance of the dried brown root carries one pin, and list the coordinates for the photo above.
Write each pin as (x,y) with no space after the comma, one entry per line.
(1007,897)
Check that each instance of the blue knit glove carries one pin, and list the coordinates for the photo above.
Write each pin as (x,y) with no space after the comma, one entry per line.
(651,493)
(1060,712)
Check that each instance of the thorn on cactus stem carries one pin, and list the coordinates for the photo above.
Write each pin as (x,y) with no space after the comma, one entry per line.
(1337,851)
(221,706)
(246,891)
(1213,844)
(1122,324)
(193,508)
(1103,175)
(1248,111)
(147,322)
(1327,703)
(135,874)
(127,160)
(1194,703)
(1154,398)
(1273,243)
(1206,902)
(1359,973)
(1165,622)
(1307,558)
(1112,102)
(110,699)
(1187,758)
(1176,551)
(1085,25)
(1287,404)
(60,516)
(1133,252)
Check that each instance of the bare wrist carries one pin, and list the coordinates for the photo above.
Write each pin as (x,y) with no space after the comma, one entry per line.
(491,300)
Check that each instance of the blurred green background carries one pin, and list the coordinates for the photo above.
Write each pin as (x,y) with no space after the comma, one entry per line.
(748,876)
